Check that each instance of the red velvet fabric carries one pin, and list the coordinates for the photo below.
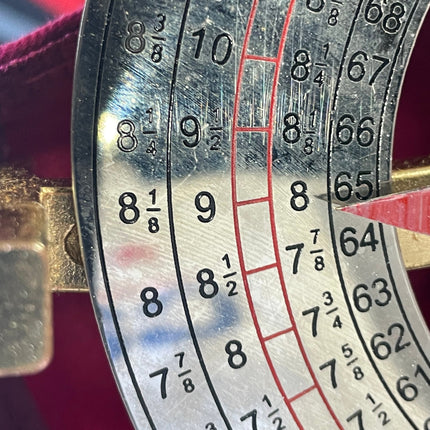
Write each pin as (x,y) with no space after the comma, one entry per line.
(36,75)
(59,6)
(77,391)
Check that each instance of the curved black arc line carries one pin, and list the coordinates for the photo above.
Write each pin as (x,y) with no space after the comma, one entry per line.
(98,231)
(333,236)
(378,162)
(342,61)
(171,218)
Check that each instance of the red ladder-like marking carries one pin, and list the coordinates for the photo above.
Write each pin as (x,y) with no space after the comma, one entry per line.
(269,199)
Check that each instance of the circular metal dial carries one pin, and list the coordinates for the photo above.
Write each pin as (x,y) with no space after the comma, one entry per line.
(211,142)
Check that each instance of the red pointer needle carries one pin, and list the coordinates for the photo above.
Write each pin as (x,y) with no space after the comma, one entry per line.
(409,210)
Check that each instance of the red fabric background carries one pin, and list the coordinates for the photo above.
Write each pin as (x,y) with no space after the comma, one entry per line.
(77,390)
(59,6)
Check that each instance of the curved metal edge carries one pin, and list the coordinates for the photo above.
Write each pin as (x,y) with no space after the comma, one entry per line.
(84,105)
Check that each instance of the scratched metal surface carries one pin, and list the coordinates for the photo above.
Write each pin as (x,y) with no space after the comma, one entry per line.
(230,295)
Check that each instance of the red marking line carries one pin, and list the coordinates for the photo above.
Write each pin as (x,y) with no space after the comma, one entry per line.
(253,129)
(279,333)
(260,269)
(252,201)
(303,393)
(261,58)
(235,130)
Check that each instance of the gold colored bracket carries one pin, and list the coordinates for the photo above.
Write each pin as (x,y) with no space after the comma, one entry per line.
(66,271)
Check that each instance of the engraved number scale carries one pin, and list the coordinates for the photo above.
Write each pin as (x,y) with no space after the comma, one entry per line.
(229,293)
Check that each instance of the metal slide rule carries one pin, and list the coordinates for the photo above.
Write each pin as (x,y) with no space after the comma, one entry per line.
(211,141)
